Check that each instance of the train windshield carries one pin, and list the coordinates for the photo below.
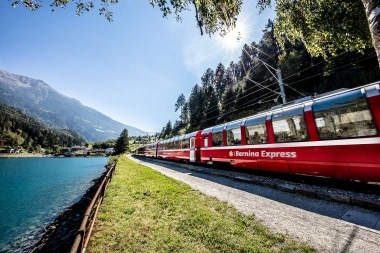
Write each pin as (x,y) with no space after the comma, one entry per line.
(344,116)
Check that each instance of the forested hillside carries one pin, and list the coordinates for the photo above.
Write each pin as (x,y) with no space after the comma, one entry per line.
(20,131)
(37,99)
(251,85)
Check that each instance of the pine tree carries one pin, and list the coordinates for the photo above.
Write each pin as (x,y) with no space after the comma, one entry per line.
(122,143)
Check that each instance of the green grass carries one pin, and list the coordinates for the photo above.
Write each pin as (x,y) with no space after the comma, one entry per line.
(145,211)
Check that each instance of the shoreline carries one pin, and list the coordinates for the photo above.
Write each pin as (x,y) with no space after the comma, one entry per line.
(19,155)
(59,235)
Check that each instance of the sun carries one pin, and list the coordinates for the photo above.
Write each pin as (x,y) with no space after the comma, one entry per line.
(232,39)
(231,44)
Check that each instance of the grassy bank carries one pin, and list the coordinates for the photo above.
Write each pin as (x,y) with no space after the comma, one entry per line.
(144,211)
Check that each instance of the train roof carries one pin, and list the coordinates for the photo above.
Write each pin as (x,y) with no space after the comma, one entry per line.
(319,96)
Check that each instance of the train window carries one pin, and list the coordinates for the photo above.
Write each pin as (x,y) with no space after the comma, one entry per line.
(217,136)
(234,137)
(185,143)
(289,125)
(344,116)
(255,130)
(256,134)
(233,134)
(217,139)
(180,142)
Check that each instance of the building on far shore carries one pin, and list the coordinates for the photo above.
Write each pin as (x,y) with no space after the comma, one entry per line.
(109,151)
(76,151)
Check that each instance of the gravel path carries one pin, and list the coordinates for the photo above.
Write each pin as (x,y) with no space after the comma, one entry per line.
(318,222)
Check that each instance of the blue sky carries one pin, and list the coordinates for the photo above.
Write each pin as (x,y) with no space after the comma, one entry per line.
(132,69)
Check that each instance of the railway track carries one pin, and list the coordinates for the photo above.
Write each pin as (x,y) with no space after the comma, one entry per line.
(366,195)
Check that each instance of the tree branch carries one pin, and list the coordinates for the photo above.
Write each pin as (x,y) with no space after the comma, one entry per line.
(200,23)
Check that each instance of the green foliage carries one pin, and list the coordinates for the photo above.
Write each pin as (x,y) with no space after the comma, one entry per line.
(211,15)
(167,130)
(104,144)
(197,103)
(122,143)
(181,100)
(227,104)
(20,130)
(208,78)
(81,6)
(326,27)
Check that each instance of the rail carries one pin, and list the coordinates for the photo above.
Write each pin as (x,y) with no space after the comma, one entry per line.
(87,225)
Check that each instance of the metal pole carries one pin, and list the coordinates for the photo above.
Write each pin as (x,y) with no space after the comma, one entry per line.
(281,86)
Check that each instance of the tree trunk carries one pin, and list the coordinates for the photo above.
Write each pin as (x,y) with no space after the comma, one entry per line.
(372,9)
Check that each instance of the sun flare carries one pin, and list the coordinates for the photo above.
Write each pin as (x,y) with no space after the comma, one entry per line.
(233,38)
(232,43)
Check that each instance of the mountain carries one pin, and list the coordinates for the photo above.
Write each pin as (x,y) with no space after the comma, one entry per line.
(39,100)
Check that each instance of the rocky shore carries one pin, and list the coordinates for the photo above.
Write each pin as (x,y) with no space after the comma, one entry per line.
(60,234)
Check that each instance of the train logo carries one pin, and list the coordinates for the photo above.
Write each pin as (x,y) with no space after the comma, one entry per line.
(231,153)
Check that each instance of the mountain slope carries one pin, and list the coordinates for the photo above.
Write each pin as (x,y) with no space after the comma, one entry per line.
(39,100)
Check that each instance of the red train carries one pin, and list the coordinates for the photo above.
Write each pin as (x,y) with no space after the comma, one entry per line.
(333,135)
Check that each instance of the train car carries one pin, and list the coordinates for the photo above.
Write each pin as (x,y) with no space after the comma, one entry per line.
(151,150)
(148,150)
(141,151)
(334,135)
(184,148)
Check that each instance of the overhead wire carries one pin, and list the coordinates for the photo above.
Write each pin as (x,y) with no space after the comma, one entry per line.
(288,85)
(351,63)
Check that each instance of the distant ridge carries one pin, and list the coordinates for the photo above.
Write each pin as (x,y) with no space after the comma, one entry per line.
(39,100)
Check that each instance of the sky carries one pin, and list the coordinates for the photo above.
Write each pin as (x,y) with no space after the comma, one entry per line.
(132,69)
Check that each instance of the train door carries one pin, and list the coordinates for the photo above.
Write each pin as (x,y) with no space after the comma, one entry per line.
(192,149)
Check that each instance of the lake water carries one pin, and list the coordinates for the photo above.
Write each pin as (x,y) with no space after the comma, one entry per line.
(34,191)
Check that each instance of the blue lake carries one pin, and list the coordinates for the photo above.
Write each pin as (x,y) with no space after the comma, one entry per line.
(34,191)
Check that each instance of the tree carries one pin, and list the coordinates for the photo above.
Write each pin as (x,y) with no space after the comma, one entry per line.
(167,131)
(181,100)
(227,104)
(212,109)
(122,143)
(219,73)
(211,16)
(81,6)
(184,113)
(208,78)
(328,27)
(196,107)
